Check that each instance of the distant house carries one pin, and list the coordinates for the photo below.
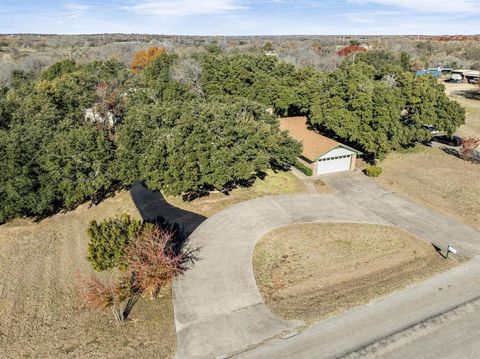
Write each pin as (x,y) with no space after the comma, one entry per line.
(322,154)
(467,75)
(434,72)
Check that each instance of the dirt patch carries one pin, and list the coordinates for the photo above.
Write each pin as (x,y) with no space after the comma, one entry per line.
(273,184)
(311,271)
(40,315)
(437,180)
(321,186)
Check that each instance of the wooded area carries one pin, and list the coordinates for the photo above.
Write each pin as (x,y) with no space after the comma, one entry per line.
(187,125)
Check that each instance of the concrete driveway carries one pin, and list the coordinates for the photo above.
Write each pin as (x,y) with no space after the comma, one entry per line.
(218,308)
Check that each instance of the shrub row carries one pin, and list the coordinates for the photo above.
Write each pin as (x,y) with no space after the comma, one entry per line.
(301,167)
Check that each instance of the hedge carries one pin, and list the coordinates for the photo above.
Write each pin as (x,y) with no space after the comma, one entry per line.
(301,167)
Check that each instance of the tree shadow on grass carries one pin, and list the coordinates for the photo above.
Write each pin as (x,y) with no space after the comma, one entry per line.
(229,187)
(473,158)
(469,94)
(152,205)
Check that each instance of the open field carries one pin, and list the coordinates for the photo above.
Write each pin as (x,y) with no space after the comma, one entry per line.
(311,271)
(468,96)
(273,184)
(437,180)
(40,314)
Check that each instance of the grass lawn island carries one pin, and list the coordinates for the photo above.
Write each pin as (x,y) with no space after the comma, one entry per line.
(322,154)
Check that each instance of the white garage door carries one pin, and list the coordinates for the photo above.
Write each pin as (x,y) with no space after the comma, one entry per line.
(334,164)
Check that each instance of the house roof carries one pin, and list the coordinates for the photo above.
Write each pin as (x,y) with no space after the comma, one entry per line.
(314,144)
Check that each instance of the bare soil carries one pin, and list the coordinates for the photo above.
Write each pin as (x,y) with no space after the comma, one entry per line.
(312,271)
(41,315)
(321,186)
(275,183)
(437,180)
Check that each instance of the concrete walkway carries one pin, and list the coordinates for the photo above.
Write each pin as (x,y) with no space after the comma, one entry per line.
(218,308)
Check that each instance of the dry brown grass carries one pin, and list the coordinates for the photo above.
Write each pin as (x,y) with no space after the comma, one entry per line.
(273,184)
(321,186)
(437,180)
(40,314)
(461,94)
(311,271)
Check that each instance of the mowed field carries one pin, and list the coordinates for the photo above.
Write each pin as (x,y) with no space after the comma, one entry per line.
(468,96)
(41,315)
(312,271)
(436,179)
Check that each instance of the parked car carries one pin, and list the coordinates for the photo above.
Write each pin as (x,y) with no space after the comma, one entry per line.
(432,129)
(454,141)
(456,78)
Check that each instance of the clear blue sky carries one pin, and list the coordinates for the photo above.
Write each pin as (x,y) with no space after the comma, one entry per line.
(241,17)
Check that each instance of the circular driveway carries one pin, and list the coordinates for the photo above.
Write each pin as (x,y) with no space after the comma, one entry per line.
(218,308)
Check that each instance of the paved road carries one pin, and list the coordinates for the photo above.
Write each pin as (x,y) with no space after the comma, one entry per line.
(219,310)
(457,338)
(401,324)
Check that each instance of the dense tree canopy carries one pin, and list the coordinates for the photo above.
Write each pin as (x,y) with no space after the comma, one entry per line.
(190,125)
(213,145)
(378,107)
(262,79)
(54,157)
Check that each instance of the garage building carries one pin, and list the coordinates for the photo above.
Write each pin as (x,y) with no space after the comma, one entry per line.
(322,154)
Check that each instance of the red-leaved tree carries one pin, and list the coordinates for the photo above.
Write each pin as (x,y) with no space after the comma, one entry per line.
(468,148)
(155,260)
(155,257)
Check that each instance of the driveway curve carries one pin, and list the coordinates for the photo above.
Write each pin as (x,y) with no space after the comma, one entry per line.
(218,308)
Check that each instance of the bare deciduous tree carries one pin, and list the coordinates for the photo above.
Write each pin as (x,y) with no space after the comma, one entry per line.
(189,72)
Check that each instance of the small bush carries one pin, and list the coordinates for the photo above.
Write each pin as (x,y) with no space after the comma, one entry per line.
(373,171)
(108,240)
(301,167)
(468,148)
(153,258)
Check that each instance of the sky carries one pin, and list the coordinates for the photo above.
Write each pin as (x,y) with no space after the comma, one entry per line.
(241,17)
